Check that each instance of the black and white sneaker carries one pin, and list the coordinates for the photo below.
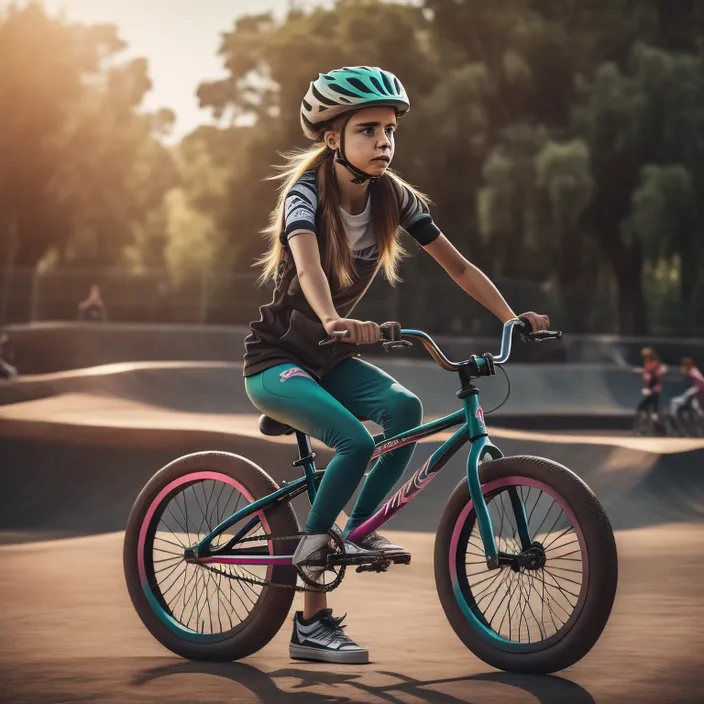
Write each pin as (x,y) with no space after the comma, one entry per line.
(322,638)
(379,543)
(315,546)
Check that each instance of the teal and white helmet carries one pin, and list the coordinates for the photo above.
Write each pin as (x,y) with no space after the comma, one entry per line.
(347,89)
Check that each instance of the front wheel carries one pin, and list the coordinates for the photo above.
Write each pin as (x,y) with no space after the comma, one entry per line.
(538,616)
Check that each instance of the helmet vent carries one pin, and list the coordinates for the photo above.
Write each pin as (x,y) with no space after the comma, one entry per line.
(359,85)
(377,85)
(322,99)
(387,85)
(342,91)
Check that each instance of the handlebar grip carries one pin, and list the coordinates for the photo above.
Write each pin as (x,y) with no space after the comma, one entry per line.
(529,335)
(526,328)
(390,331)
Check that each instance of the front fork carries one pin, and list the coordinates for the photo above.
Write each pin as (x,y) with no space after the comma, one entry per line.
(482,446)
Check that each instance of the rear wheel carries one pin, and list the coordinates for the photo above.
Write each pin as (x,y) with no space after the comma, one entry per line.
(544,613)
(196,612)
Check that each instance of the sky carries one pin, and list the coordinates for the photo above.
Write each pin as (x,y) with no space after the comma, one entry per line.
(179,38)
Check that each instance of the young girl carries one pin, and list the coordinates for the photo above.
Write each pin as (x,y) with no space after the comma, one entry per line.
(652,371)
(693,397)
(335,226)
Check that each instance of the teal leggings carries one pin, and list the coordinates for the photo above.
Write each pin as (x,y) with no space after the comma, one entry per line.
(326,410)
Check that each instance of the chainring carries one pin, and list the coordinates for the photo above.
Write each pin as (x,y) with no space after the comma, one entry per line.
(311,585)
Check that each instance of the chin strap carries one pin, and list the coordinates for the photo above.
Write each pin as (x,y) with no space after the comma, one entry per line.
(359,175)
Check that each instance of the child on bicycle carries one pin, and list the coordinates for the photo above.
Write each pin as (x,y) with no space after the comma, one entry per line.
(652,371)
(335,226)
(693,397)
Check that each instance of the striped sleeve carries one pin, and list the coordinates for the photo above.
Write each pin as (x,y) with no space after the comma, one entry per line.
(416,219)
(300,205)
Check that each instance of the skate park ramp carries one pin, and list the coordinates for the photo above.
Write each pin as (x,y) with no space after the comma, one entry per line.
(578,383)
(542,396)
(76,447)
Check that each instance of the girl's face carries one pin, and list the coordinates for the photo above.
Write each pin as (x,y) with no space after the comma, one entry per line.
(369,139)
(650,363)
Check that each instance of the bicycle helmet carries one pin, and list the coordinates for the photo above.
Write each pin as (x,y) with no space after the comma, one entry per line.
(345,90)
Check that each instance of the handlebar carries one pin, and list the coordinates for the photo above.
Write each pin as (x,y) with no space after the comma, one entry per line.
(393,337)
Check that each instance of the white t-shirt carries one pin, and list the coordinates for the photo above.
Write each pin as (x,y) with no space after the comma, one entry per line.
(358,228)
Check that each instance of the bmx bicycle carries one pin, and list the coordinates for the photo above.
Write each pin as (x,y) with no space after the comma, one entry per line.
(525,561)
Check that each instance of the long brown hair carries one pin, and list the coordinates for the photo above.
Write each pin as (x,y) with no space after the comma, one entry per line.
(336,253)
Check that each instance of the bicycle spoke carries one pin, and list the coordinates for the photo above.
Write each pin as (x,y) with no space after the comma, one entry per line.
(560,590)
(172,567)
(539,624)
(178,523)
(197,500)
(547,513)
(565,569)
(569,543)
(217,503)
(566,579)
(234,608)
(206,500)
(168,559)
(507,592)
(184,513)
(508,515)
(175,536)
(496,592)
(478,597)
(550,586)
(170,542)
(510,593)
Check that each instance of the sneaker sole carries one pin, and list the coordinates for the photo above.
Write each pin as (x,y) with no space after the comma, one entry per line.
(343,657)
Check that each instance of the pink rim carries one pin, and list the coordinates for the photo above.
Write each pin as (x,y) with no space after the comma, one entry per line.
(520,481)
(189,479)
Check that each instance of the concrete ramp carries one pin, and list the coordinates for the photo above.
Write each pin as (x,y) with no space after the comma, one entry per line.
(74,463)
(543,396)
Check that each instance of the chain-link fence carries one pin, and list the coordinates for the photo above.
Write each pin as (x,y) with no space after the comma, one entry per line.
(433,304)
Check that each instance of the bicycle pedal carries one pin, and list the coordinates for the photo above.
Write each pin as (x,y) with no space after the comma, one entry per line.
(374,567)
(400,558)
(345,559)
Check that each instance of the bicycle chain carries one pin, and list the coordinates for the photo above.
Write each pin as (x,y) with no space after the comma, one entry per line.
(266,583)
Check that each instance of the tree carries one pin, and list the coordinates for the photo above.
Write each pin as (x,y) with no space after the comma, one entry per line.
(81,170)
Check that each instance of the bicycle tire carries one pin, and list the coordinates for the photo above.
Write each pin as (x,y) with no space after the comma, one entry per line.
(559,652)
(273,604)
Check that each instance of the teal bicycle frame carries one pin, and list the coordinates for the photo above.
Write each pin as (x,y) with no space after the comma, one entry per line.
(472,429)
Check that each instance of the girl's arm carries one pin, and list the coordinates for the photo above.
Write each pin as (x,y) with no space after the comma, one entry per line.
(472,280)
(314,283)
(316,289)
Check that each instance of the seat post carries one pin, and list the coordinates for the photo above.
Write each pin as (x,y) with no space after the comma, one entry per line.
(306,459)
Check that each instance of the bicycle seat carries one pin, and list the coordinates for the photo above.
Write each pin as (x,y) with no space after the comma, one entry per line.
(269,426)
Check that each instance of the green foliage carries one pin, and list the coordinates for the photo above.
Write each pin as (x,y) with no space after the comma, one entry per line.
(81,171)
(561,141)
